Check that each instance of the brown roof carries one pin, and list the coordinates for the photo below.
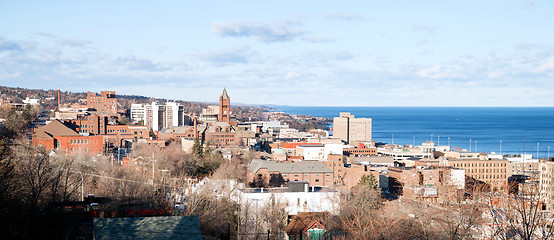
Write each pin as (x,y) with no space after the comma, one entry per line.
(302,220)
(54,129)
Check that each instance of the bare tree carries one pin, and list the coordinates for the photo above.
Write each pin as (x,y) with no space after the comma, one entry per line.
(520,215)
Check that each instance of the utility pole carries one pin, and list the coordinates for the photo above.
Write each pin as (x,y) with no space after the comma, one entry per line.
(537,150)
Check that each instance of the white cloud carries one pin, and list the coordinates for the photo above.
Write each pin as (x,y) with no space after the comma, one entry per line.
(281,31)
(424,28)
(344,16)
(73,42)
(546,66)
(292,75)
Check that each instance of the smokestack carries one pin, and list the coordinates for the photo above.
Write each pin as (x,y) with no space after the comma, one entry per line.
(59,99)
(195,128)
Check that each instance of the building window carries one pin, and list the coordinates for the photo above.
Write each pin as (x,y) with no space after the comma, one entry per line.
(317,180)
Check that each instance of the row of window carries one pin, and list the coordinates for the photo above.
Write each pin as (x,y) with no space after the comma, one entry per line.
(121,131)
(73,150)
(79,141)
(480,165)
(317,180)
(494,170)
(306,174)
(491,177)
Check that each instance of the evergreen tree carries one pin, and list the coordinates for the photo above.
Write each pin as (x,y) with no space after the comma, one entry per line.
(368,181)
(197,148)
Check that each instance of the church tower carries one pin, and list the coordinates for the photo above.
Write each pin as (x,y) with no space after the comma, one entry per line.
(224,107)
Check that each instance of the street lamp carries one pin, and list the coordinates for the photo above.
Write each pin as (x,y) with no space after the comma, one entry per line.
(82,180)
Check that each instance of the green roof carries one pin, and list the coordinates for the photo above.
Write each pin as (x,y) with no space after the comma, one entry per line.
(161,227)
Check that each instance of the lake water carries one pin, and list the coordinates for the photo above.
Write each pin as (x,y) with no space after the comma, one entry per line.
(519,129)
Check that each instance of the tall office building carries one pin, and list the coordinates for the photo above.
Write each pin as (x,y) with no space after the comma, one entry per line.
(351,129)
(138,113)
(163,116)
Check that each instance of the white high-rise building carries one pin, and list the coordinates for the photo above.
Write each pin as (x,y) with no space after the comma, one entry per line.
(351,129)
(174,112)
(137,113)
(163,116)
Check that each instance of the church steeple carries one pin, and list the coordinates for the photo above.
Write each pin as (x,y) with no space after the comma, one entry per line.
(224,107)
(224,94)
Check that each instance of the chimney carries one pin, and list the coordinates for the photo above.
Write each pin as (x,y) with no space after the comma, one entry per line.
(195,128)
(59,99)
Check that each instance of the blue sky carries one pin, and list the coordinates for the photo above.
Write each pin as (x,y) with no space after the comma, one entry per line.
(330,53)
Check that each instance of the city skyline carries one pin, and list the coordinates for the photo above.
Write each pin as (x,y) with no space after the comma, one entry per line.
(428,53)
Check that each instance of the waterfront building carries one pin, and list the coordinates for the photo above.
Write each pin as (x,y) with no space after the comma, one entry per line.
(493,171)
(350,129)
(546,184)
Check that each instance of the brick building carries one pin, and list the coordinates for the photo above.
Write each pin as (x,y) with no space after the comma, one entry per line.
(106,102)
(493,172)
(117,134)
(224,107)
(269,173)
(5,104)
(92,124)
(347,175)
(58,135)
(428,183)
(220,134)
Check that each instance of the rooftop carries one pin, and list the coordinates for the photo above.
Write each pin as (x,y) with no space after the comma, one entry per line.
(288,167)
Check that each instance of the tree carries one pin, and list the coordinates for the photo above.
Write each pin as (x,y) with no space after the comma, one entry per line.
(197,148)
(368,181)
(520,215)
(152,134)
